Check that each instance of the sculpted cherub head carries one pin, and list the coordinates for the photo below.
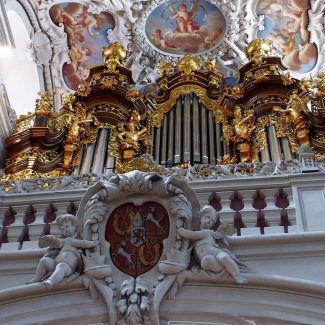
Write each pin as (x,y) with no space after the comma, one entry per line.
(208,217)
(67,223)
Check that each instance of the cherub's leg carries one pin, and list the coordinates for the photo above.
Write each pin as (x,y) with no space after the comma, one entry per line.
(62,270)
(45,265)
(230,265)
(182,27)
(210,263)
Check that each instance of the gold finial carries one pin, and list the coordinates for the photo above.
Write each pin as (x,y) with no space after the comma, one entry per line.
(45,103)
(114,54)
(188,64)
(258,49)
(67,99)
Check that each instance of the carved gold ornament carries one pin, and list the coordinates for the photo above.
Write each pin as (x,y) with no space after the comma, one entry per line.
(83,90)
(114,54)
(165,67)
(258,49)
(188,64)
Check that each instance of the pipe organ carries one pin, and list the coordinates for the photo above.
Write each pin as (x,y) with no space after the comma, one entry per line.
(189,133)
(191,117)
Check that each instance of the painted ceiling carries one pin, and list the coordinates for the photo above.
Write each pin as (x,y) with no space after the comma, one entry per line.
(73,34)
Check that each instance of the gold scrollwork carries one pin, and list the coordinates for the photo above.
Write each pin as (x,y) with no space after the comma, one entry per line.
(161,109)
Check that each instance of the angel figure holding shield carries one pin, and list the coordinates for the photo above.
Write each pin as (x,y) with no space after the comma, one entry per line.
(64,257)
(208,246)
(185,19)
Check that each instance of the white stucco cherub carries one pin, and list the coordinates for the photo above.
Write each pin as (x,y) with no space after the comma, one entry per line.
(54,267)
(208,246)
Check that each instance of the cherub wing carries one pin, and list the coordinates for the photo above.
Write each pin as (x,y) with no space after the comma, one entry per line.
(226,230)
(49,241)
(170,10)
(195,8)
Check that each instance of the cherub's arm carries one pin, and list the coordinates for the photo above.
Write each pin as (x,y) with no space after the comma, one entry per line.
(195,235)
(79,243)
(245,119)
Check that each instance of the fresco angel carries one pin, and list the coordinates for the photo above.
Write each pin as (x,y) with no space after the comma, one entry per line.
(184,18)
(210,246)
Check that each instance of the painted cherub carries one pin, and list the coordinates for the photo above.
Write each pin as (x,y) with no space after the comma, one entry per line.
(208,246)
(53,268)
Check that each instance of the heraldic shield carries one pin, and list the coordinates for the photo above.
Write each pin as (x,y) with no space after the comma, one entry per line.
(136,235)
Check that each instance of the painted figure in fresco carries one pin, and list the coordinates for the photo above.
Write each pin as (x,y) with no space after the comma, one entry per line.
(157,38)
(67,260)
(85,37)
(287,27)
(208,246)
(185,19)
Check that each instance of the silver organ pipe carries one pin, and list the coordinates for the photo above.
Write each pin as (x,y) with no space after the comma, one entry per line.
(196,129)
(221,150)
(212,140)
(286,149)
(204,134)
(99,157)
(274,142)
(187,128)
(178,132)
(157,144)
(265,154)
(171,137)
(164,141)
(87,159)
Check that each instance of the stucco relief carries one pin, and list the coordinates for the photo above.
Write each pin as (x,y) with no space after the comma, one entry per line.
(148,214)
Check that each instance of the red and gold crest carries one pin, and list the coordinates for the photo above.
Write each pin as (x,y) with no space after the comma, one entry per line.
(136,235)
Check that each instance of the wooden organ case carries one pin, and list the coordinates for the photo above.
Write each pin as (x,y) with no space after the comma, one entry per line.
(191,117)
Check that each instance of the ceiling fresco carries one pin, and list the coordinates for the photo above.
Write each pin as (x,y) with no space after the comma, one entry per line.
(86,36)
(156,30)
(286,25)
(177,27)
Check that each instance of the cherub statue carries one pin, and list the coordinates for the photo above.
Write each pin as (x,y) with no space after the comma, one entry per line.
(65,255)
(209,245)
(45,103)
(130,140)
(76,132)
(244,128)
(293,116)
